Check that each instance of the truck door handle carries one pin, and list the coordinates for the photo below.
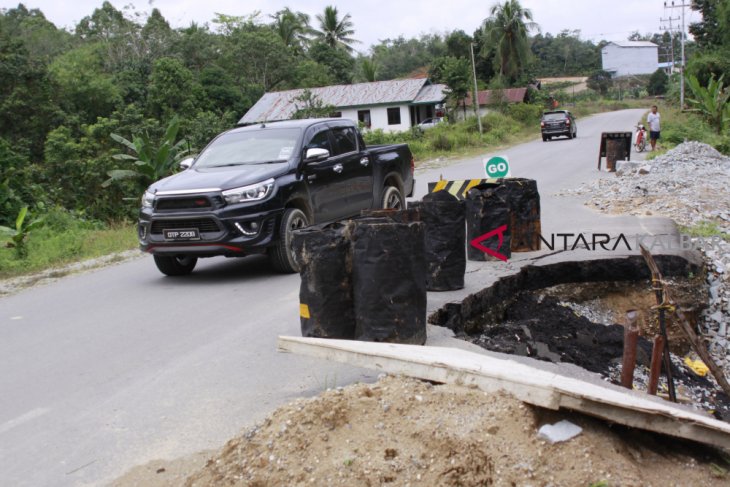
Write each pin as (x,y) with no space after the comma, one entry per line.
(337,168)
(364,161)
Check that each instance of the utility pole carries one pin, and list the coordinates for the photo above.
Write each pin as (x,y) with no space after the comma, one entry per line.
(475,94)
(681,86)
(671,31)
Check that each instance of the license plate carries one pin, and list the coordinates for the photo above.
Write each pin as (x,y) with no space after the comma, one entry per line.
(182,234)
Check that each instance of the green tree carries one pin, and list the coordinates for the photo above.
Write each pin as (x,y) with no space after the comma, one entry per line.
(311,74)
(658,83)
(311,106)
(42,40)
(17,236)
(369,68)
(600,81)
(713,31)
(456,74)
(157,35)
(292,27)
(83,85)
(118,37)
(152,161)
(400,57)
(27,103)
(171,88)
(256,55)
(340,64)
(333,31)
(507,28)
(458,44)
(712,101)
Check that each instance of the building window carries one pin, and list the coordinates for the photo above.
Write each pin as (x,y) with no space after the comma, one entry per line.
(394,116)
(336,115)
(363,116)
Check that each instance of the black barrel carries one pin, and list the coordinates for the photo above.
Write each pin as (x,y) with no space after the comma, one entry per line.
(524,202)
(389,282)
(326,307)
(410,214)
(443,214)
(488,211)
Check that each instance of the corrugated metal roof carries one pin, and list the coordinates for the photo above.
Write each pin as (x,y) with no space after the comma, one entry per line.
(486,97)
(431,94)
(633,43)
(281,105)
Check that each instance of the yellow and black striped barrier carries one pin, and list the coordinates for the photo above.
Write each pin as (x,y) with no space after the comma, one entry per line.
(459,187)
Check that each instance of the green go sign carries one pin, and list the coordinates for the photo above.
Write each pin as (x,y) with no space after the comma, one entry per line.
(496,167)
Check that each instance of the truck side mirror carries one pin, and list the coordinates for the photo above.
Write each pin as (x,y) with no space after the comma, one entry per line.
(186,163)
(315,154)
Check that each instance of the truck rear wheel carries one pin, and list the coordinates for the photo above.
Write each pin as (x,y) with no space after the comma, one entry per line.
(175,265)
(392,199)
(281,254)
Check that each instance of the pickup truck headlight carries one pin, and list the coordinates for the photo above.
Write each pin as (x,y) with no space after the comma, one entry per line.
(148,199)
(252,192)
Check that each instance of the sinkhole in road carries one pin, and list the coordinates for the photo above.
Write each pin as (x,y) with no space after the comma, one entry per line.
(574,312)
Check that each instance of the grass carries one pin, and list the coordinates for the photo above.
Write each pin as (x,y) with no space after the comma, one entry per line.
(66,239)
(678,126)
(705,229)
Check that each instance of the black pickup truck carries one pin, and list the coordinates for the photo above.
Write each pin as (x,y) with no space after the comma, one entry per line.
(251,186)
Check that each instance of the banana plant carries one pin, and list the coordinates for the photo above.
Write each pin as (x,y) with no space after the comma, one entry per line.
(151,162)
(17,236)
(712,101)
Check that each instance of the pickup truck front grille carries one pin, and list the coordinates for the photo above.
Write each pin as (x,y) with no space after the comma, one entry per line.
(186,203)
(202,224)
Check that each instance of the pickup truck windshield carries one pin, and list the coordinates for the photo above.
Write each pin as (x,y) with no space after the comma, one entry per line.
(250,147)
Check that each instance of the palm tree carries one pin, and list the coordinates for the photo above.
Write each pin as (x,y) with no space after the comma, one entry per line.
(506,29)
(335,32)
(292,27)
(369,68)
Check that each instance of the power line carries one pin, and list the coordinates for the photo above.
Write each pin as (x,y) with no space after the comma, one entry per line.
(681,69)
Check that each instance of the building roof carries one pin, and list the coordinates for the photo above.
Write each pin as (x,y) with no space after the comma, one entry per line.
(633,44)
(488,97)
(281,105)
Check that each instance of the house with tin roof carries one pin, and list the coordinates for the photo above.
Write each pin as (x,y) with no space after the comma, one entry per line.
(392,106)
(623,58)
(489,98)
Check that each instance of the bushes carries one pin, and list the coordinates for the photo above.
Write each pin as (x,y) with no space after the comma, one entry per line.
(65,237)
(525,113)
(457,137)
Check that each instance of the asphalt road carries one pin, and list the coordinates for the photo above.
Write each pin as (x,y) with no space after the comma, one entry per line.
(106,370)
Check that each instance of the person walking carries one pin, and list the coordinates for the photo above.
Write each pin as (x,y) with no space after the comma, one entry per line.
(653,121)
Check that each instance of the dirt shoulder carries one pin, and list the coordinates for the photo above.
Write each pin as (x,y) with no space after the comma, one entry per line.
(403,431)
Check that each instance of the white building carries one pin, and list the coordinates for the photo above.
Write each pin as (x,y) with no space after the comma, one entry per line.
(630,57)
(393,106)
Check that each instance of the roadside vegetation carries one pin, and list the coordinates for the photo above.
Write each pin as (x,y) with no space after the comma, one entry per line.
(90,115)
(65,238)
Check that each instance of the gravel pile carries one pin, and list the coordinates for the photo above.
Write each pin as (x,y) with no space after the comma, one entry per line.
(691,185)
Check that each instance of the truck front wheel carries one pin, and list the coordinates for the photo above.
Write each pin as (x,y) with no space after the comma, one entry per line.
(392,199)
(281,254)
(175,265)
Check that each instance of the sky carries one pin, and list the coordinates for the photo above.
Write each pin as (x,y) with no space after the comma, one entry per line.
(381,19)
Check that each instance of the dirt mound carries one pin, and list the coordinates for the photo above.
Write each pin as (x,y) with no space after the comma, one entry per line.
(407,432)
